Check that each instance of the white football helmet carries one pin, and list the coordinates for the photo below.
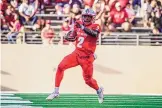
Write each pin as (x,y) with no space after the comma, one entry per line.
(88,16)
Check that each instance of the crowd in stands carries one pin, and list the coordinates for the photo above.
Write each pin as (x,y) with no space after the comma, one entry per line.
(110,14)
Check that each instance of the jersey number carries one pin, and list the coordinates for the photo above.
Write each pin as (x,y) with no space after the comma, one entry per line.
(81,40)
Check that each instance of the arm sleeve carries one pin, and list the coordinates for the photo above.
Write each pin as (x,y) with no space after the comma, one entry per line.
(91,32)
(94,32)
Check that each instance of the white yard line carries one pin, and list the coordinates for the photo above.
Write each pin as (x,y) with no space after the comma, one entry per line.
(7,97)
(18,106)
(14,101)
(9,100)
(142,94)
(6,94)
(149,94)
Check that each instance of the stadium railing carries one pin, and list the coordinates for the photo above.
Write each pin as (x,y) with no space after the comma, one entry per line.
(34,37)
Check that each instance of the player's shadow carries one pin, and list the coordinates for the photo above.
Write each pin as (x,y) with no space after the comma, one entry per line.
(5,73)
(3,88)
(105,70)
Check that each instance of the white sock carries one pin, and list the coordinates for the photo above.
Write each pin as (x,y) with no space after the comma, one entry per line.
(56,89)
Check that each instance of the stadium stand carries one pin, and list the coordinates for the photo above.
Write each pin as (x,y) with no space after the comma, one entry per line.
(145,29)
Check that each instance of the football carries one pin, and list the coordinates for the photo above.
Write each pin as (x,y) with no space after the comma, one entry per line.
(71,36)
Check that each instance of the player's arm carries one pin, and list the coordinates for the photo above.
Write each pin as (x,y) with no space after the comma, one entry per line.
(91,32)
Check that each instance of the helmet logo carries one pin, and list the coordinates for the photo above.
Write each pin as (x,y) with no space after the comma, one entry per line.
(87,11)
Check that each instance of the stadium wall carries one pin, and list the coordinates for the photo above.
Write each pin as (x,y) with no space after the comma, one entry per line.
(119,69)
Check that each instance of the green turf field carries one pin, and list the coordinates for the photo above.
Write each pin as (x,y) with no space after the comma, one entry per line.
(79,101)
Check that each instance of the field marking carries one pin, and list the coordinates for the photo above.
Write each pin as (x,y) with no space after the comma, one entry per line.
(142,94)
(110,96)
(6,94)
(115,99)
(84,101)
(19,106)
(155,101)
(7,97)
(93,97)
(97,104)
(14,101)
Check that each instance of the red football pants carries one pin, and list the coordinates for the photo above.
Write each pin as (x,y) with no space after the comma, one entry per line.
(75,59)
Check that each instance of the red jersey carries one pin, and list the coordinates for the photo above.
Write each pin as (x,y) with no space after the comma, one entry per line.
(84,42)
(119,17)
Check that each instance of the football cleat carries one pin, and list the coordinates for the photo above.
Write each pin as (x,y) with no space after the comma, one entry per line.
(100,95)
(52,96)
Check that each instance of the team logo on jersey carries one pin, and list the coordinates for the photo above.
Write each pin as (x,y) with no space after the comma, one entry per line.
(96,28)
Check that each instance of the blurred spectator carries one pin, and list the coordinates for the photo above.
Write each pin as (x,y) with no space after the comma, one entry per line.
(59,9)
(47,33)
(27,12)
(9,17)
(88,3)
(155,37)
(137,2)
(75,13)
(39,25)
(131,13)
(106,12)
(110,14)
(111,4)
(106,15)
(123,3)
(155,31)
(118,16)
(43,4)
(66,9)
(64,29)
(4,25)
(99,9)
(65,26)
(14,31)
(59,6)
(79,2)
(46,2)
(147,12)
(2,19)
(126,26)
(150,6)
(14,4)
(62,2)
(3,5)
(157,20)
(153,12)
(137,6)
